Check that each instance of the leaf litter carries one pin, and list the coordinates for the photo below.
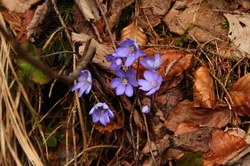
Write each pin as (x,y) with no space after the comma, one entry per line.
(189,118)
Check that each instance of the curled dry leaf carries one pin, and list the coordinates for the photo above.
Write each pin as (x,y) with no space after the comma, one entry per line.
(110,126)
(134,32)
(18,6)
(203,89)
(101,49)
(240,94)
(185,112)
(88,9)
(223,147)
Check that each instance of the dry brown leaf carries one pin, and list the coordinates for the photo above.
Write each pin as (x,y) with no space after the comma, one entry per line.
(200,13)
(203,93)
(18,6)
(110,126)
(134,32)
(13,19)
(154,10)
(115,10)
(184,112)
(195,140)
(38,23)
(88,9)
(240,94)
(101,49)
(185,127)
(223,147)
(239,31)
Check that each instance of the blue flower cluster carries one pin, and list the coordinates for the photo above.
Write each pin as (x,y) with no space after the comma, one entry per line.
(129,52)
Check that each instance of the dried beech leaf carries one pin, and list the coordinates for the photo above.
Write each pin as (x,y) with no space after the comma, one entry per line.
(203,89)
(223,148)
(134,32)
(160,145)
(115,10)
(239,30)
(240,94)
(88,9)
(110,126)
(37,25)
(18,6)
(155,12)
(200,13)
(185,112)
(185,127)
(13,19)
(101,49)
(194,140)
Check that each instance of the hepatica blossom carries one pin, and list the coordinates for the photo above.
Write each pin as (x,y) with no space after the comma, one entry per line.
(84,83)
(116,62)
(151,83)
(145,109)
(129,49)
(101,112)
(150,63)
(125,82)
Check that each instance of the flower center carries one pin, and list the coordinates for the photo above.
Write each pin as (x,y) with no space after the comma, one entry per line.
(124,81)
(132,49)
(154,84)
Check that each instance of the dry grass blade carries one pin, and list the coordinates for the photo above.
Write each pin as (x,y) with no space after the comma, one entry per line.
(12,119)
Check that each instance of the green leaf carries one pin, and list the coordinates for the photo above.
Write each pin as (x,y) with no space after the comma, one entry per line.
(52,141)
(39,77)
(191,159)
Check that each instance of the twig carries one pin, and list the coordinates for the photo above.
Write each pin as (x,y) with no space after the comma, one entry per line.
(44,68)
(148,137)
(60,52)
(106,22)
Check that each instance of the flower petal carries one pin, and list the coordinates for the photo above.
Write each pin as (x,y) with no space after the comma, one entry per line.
(130,60)
(120,89)
(130,73)
(115,82)
(95,117)
(122,52)
(120,73)
(145,85)
(77,86)
(129,90)
(153,90)
(110,113)
(133,82)
(149,76)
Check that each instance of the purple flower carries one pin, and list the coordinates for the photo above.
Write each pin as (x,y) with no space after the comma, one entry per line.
(129,49)
(84,83)
(101,112)
(150,63)
(151,83)
(124,82)
(116,62)
(145,109)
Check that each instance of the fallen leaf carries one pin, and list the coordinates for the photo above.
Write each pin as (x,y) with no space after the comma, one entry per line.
(41,20)
(101,49)
(194,140)
(110,126)
(134,32)
(114,11)
(203,93)
(239,30)
(185,112)
(240,94)
(159,146)
(223,147)
(185,127)
(197,12)
(88,9)
(18,6)
(154,10)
